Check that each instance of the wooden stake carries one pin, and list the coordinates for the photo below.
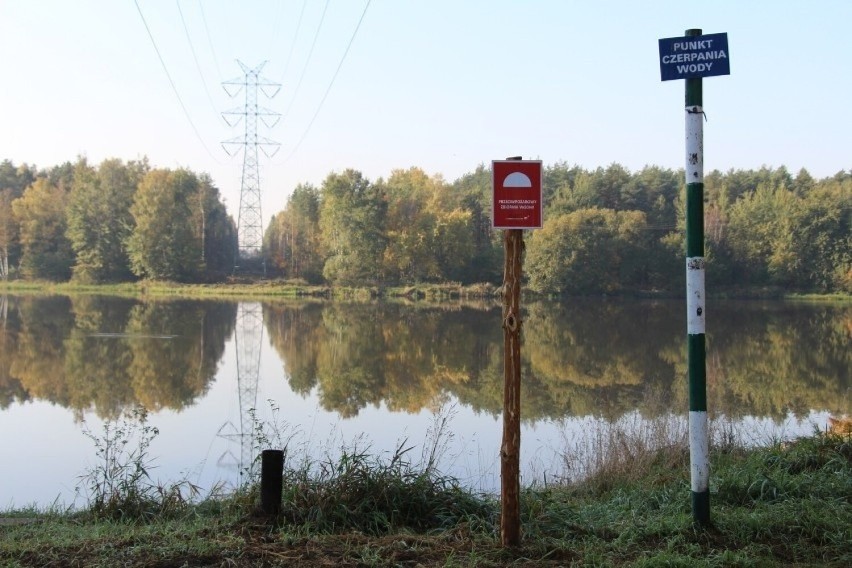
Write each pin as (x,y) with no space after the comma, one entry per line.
(510,451)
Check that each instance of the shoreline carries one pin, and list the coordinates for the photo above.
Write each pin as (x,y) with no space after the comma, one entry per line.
(776,505)
(281,289)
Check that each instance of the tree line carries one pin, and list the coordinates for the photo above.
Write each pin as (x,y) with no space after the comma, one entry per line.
(606,230)
(112,223)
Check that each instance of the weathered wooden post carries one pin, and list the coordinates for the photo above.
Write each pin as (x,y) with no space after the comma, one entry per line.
(271,481)
(510,450)
(516,206)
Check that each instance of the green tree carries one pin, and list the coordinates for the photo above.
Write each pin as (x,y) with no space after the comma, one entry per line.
(15,178)
(474,194)
(447,237)
(40,214)
(822,238)
(455,250)
(99,219)
(8,233)
(13,181)
(602,188)
(722,266)
(654,191)
(292,240)
(165,243)
(760,234)
(352,221)
(214,228)
(62,176)
(803,183)
(411,228)
(584,252)
(557,183)
(161,245)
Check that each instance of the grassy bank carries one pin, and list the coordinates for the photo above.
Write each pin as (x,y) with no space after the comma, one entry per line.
(248,288)
(262,289)
(781,505)
(231,289)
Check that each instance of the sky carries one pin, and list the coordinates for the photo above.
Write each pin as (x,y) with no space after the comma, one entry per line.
(444,85)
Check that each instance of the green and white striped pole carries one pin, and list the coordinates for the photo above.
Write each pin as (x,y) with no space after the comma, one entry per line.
(699,435)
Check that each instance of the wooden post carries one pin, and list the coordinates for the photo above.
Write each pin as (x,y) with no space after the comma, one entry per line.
(271,481)
(510,451)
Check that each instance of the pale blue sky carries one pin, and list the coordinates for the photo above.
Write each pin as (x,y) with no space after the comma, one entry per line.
(444,85)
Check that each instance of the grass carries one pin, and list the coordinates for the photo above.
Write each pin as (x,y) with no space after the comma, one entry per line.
(253,288)
(835,298)
(249,287)
(233,288)
(785,504)
(119,486)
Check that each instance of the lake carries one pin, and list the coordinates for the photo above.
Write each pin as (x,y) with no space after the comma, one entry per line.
(324,375)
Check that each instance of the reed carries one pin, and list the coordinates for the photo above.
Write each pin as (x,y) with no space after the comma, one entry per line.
(119,485)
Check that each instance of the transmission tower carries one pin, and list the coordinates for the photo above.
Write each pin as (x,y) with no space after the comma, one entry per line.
(250,219)
(248,340)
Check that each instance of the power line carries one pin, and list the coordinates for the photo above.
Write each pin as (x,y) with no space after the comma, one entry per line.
(210,40)
(195,58)
(322,101)
(275,21)
(295,36)
(172,83)
(307,61)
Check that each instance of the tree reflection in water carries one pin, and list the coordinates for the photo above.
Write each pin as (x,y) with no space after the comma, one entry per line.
(110,354)
(584,357)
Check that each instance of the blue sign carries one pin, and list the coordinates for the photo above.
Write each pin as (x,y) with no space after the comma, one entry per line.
(691,57)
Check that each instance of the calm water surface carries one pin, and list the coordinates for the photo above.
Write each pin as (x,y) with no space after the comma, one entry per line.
(326,375)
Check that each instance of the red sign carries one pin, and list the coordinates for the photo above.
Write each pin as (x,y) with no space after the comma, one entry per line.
(517,194)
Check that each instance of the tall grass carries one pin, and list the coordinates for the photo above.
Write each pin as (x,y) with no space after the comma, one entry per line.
(376,495)
(609,454)
(353,488)
(624,451)
(119,485)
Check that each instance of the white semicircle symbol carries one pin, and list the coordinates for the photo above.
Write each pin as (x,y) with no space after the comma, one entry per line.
(517,179)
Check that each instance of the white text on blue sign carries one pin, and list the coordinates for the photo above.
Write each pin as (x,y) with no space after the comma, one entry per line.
(691,57)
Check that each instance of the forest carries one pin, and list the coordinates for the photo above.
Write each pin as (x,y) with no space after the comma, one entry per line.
(606,230)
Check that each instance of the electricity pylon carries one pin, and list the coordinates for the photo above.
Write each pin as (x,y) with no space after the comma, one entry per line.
(250,219)
(248,340)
